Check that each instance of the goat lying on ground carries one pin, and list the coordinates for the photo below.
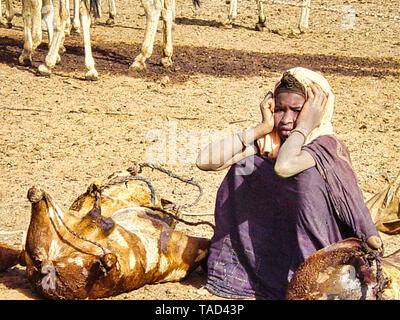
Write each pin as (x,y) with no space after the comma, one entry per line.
(119,236)
(116,237)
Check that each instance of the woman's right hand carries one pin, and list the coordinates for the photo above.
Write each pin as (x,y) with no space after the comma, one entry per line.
(267,107)
(311,114)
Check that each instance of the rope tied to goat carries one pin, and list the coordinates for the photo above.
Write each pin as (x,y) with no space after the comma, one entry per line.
(134,170)
(375,256)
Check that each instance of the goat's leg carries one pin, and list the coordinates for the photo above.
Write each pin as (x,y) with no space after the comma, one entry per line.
(112,12)
(167,16)
(260,25)
(232,14)
(152,11)
(92,73)
(32,30)
(60,17)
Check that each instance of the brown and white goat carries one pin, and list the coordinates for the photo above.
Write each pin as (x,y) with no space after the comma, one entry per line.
(111,240)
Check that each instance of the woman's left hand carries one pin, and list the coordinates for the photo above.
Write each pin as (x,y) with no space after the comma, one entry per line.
(311,114)
(375,243)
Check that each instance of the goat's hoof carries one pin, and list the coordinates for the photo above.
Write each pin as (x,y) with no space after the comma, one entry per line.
(44,71)
(92,75)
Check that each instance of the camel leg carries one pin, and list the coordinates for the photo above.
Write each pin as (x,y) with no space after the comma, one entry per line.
(26,56)
(305,15)
(68,25)
(60,18)
(173,10)
(231,16)
(37,24)
(2,22)
(260,25)
(48,18)
(76,24)
(92,73)
(112,12)
(32,30)
(167,17)
(9,13)
(152,11)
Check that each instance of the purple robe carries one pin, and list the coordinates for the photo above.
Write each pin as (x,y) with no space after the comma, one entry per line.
(267,225)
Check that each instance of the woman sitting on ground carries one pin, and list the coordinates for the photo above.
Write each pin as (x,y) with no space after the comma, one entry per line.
(290,191)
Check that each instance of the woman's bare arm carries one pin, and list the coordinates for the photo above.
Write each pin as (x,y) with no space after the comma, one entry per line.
(223,153)
(291,158)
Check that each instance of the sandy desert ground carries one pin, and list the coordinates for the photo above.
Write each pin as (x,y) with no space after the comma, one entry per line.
(62,133)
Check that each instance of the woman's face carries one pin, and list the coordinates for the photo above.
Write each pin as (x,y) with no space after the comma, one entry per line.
(287,108)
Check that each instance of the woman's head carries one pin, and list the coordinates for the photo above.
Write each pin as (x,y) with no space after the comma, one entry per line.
(295,81)
(289,98)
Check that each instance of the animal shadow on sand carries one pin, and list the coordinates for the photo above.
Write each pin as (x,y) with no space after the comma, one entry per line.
(115,58)
(207,23)
(16,279)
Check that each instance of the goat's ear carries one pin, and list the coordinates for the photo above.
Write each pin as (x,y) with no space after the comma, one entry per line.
(109,260)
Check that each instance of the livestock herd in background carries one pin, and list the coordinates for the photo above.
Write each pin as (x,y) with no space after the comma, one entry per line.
(56,15)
